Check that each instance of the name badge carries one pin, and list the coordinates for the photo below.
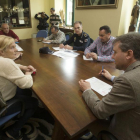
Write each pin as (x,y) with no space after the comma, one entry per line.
(80,41)
(86,40)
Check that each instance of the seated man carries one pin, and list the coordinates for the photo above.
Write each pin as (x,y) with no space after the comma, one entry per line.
(80,39)
(57,36)
(103,45)
(6,31)
(123,101)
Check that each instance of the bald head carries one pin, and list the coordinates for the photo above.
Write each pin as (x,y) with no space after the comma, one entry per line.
(5,28)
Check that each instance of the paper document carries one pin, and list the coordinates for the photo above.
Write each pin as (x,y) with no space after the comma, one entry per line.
(99,86)
(46,42)
(66,50)
(19,48)
(66,55)
(56,48)
(90,59)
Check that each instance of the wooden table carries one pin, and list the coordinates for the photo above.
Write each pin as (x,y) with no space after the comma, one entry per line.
(56,84)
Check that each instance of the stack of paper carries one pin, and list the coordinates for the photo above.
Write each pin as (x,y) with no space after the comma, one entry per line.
(46,42)
(57,48)
(99,86)
(66,50)
(66,54)
(90,59)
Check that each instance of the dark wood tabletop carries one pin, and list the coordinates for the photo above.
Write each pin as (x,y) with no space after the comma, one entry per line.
(56,84)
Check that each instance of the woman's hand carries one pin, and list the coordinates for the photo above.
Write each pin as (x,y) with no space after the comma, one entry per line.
(28,69)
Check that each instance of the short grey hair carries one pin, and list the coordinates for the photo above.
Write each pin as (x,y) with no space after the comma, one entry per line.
(79,22)
(4,24)
(129,41)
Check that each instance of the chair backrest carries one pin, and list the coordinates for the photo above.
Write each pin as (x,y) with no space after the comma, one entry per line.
(42,33)
(105,135)
(68,35)
(5,118)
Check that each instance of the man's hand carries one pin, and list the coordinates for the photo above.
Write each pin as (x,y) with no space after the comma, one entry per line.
(106,74)
(48,41)
(68,47)
(44,40)
(92,55)
(16,40)
(88,55)
(61,46)
(84,85)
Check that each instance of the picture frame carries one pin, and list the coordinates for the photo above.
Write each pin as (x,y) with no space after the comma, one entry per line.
(21,21)
(96,4)
(14,20)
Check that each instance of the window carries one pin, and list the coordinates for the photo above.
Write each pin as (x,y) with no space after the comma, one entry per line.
(69,12)
(16,13)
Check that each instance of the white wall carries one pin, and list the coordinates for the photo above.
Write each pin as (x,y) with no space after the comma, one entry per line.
(117,19)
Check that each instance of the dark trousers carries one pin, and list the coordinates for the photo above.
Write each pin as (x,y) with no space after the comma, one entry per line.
(31,105)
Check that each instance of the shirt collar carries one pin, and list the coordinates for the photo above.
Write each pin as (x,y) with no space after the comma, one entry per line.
(58,32)
(133,66)
(108,40)
(81,34)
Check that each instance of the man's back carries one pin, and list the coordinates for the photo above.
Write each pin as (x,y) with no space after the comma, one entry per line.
(125,124)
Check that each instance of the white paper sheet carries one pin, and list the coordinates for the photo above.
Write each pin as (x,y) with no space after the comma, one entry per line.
(89,59)
(66,50)
(19,48)
(56,48)
(66,55)
(46,42)
(99,86)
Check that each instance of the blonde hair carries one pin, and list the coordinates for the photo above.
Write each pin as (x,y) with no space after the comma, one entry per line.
(5,41)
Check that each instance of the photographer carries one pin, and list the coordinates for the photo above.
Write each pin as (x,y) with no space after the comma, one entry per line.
(43,25)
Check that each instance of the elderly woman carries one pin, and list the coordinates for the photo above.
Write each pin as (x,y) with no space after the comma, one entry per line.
(14,84)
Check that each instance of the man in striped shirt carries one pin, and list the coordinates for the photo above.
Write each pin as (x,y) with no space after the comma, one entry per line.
(103,45)
(54,18)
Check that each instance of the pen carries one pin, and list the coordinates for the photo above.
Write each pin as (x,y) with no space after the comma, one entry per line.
(102,68)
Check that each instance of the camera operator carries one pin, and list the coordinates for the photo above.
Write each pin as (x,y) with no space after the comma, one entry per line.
(43,25)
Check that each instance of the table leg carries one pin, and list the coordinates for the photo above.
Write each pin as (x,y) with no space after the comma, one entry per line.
(58,133)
